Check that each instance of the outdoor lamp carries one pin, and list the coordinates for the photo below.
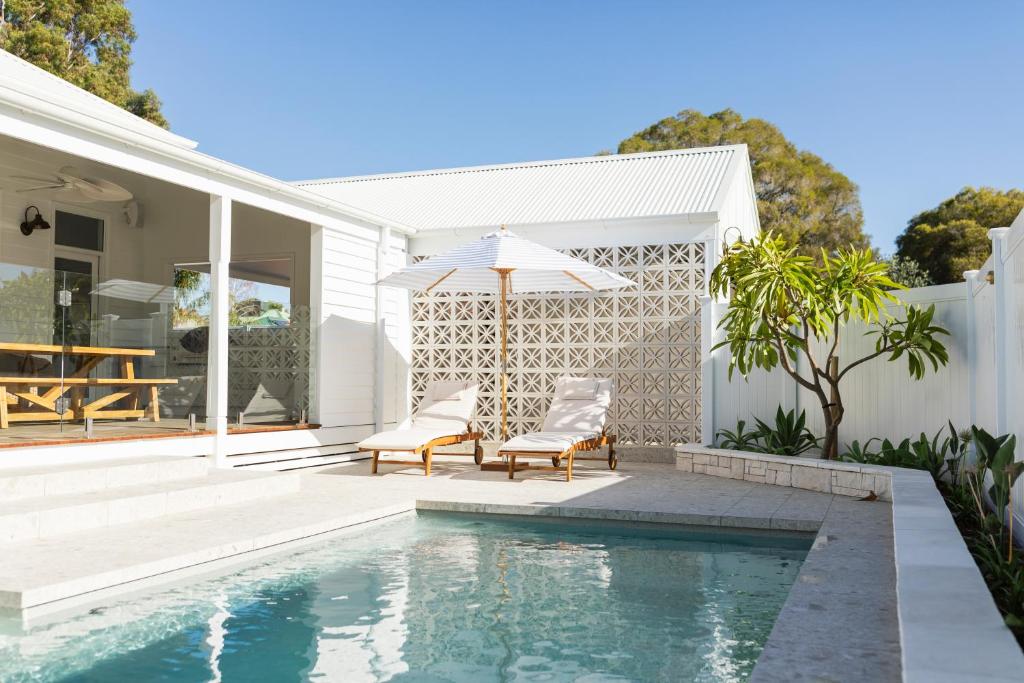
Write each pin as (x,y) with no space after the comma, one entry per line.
(27,226)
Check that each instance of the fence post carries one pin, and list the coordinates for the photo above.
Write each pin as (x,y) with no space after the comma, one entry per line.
(971,280)
(708,329)
(998,237)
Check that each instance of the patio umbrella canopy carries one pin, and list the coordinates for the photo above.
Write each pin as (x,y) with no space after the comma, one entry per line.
(503,263)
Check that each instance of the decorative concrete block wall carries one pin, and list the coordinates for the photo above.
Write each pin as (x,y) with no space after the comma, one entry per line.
(647,339)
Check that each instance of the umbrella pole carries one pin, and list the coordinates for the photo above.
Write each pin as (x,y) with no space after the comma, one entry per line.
(503,275)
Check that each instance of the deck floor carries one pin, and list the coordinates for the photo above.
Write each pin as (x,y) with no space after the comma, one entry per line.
(20,435)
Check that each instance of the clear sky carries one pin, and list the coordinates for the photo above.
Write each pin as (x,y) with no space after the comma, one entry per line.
(911,100)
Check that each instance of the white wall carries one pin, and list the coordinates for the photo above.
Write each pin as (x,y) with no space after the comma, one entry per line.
(353,341)
(880,398)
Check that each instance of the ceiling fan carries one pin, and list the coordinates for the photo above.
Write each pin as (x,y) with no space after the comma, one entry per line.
(70,181)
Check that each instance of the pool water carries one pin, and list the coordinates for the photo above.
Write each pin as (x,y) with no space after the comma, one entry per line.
(443,597)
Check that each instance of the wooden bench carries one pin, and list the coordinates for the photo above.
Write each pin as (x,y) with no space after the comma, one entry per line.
(22,399)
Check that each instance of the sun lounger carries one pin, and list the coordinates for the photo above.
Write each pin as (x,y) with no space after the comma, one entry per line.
(575,423)
(442,420)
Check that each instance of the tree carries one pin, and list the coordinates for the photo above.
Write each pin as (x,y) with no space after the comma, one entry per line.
(953,237)
(85,42)
(784,306)
(799,196)
(907,272)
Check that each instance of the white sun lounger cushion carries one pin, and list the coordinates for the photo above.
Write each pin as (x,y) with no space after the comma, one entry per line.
(405,439)
(576,388)
(446,409)
(578,415)
(546,442)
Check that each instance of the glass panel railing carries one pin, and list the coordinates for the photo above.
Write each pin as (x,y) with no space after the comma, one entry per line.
(270,341)
(270,377)
(87,357)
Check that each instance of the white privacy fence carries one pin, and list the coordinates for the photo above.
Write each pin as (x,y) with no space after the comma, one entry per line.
(881,399)
(982,385)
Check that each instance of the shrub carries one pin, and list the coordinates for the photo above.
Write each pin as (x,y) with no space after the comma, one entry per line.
(788,436)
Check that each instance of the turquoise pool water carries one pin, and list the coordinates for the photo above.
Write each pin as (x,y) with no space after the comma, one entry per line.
(443,597)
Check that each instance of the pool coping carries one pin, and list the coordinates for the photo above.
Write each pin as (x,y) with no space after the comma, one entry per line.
(943,605)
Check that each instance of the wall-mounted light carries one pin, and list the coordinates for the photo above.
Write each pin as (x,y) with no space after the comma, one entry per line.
(725,237)
(27,226)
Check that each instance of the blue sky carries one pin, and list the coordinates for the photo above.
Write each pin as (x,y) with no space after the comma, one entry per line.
(912,100)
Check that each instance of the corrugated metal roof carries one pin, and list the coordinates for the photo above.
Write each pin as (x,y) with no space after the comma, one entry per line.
(28,79)
(676,182)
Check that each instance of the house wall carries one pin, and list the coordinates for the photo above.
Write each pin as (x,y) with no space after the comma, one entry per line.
(352,343)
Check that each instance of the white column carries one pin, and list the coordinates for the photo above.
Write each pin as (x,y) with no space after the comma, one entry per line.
(708,330)
(217,372)
(316,321)
(380,339)
(998,237)
(971,281)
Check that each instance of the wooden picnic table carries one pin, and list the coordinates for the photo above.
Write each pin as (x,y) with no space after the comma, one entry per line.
(29,398)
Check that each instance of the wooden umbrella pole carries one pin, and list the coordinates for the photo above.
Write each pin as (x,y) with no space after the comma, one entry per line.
(503,274)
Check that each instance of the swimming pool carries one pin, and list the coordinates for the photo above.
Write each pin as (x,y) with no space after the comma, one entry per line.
(444,597)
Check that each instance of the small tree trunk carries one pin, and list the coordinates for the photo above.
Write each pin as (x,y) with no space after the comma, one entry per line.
(833,414)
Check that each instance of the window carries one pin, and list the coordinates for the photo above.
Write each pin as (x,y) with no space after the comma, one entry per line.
(259,292)
(80,232)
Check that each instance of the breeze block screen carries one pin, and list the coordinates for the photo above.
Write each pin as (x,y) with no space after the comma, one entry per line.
(646,338)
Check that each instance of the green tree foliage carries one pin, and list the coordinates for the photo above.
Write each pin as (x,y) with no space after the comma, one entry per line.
(784,306)
(799,196)
(953,237)
(85,42)
(907,272)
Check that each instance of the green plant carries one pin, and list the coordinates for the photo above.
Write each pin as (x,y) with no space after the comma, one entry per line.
(783,306)
(739,440)
(995,455)
(938,455)
(789,436)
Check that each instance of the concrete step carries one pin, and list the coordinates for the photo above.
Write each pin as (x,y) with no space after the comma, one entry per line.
(50,516)
(295,459)
(68,479)
(56,574)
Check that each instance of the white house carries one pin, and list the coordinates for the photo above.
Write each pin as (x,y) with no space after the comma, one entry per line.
(162,301)
(658,218)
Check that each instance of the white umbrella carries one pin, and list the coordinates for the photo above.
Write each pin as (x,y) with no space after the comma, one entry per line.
(503,263)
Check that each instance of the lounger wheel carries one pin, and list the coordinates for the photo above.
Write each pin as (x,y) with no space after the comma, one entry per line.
(478,454)
(613,461)
(423,456)
(555,460)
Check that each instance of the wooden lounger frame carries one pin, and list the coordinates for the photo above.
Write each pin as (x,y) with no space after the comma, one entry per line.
(426,451)
(569,455)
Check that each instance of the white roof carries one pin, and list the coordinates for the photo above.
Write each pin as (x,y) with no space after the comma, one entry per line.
(28,79)
(47,99)
(648,184)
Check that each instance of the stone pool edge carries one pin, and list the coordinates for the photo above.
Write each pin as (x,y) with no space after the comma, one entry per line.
(943,605)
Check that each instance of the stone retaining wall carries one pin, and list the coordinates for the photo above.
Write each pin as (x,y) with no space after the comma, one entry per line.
(840,478)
